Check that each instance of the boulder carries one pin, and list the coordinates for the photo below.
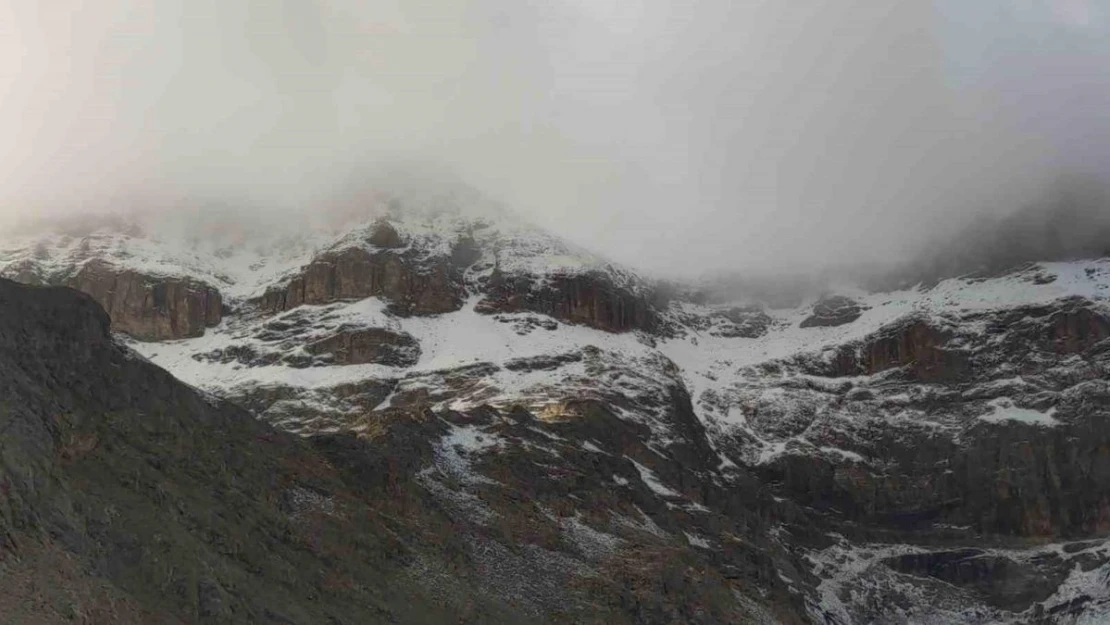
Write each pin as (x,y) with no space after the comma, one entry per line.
(385,236)
(832,311)
(748,322)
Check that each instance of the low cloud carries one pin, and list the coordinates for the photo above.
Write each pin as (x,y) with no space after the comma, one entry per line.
(679,137)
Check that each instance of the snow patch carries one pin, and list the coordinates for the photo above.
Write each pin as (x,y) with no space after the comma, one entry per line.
(1003,410)
(652,481)
(697,541)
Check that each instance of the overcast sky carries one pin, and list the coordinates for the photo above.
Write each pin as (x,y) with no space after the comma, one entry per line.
(677,135)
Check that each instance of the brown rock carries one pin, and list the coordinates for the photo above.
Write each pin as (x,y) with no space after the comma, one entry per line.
(915,344)
(413,287)
(1075,330)
(1070,326)
(384,235)
(149,308)
(590,299)
(369,345)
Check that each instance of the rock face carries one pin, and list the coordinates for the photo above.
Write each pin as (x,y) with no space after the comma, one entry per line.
(915,344)
(385,236)
(999,580)
(1073,326)
(412,287)
(1002,480)
(147,308)
(991,423)
(833,311)
(750,322)
(370,345)
(590,299)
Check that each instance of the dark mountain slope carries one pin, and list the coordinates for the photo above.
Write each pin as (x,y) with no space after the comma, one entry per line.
(128,497)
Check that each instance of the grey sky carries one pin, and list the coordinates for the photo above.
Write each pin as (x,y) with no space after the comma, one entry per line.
(677,135)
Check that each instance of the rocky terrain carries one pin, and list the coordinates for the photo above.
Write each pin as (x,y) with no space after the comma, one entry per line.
(439,398)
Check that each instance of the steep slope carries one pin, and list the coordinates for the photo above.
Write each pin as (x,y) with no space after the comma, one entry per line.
(129,497)
(165,505)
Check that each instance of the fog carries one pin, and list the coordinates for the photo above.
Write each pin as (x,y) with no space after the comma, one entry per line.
(678,136)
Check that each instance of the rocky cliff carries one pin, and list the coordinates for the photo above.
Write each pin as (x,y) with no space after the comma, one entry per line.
(590,298)
(149,308)
(146,301)
(411,286)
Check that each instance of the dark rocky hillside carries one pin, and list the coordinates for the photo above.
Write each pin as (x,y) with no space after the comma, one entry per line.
(129,497)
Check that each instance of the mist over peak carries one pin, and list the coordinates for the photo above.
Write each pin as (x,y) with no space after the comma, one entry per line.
(680,138)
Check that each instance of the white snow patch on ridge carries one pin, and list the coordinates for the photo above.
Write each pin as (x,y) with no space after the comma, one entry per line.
(1003,410)
(652,481)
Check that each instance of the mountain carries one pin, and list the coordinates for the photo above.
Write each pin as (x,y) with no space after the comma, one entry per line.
(515,428)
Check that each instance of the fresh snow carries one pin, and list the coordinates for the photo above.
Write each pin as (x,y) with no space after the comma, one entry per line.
(590,447)
(652,481)
(697,541)
(843,453)
(1003,410)
(458,449)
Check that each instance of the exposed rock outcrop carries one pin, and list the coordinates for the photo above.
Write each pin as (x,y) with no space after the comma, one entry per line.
(832,311)
(999,580)
(932,353)
(1071,326)
(1005,479)
(148,308)
(992,424)
(411,285)
(590,298)
(385,236)
(916,344)
(369,345)
(749,322)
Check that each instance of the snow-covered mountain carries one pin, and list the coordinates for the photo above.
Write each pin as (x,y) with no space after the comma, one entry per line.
(937,454)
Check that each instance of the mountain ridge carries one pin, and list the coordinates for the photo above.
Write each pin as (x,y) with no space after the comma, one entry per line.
(835,459)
